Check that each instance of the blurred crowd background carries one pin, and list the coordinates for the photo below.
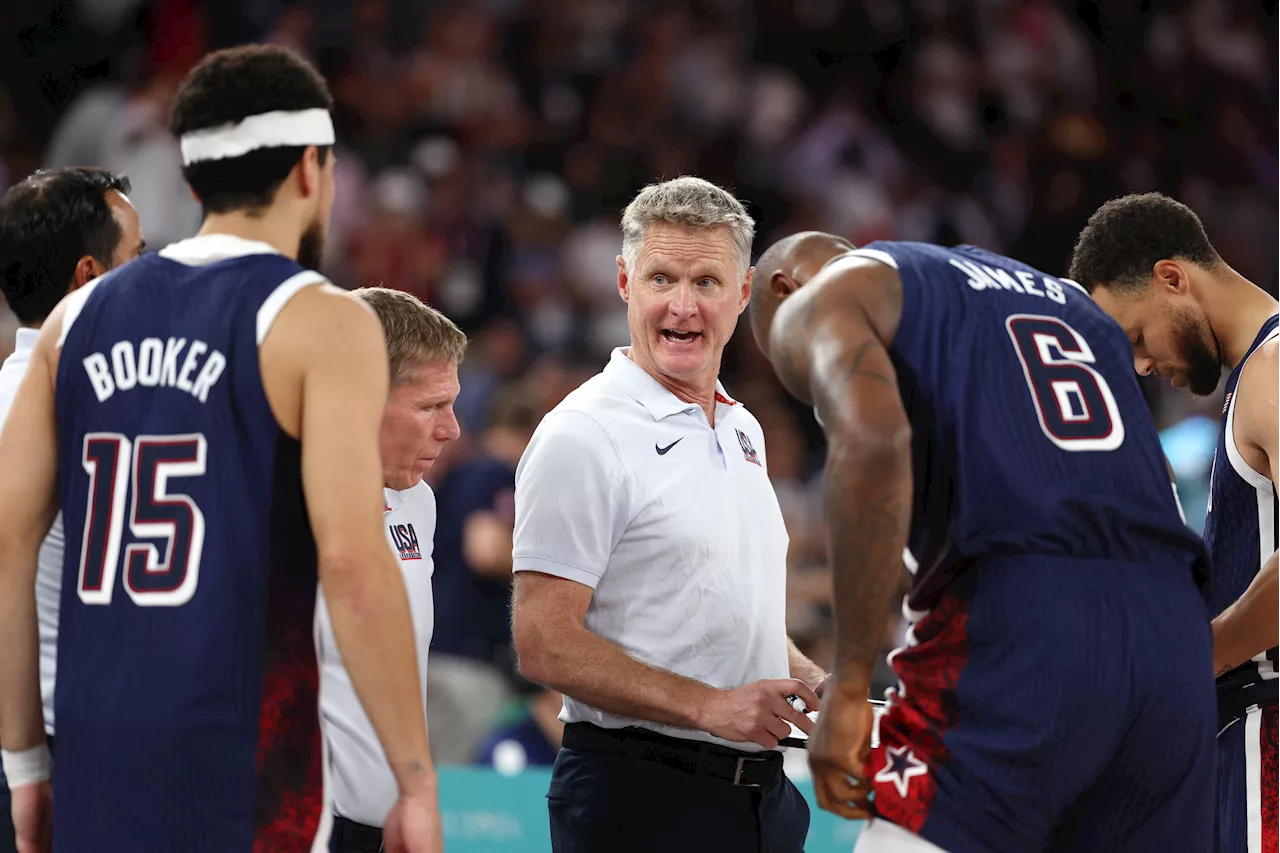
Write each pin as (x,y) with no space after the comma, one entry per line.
(486,149)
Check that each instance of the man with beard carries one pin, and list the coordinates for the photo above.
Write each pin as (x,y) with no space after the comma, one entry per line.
(225,401)
(984,415)
(1148,262)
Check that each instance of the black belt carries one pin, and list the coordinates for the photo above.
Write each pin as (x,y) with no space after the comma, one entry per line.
(704,760)
(352,837)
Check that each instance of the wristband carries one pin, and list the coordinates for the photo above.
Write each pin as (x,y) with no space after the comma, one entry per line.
(28,767)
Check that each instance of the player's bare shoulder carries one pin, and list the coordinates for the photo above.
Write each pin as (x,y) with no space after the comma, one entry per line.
(56,327)
(320,327)
(1257,410)
(851,298)
(52,334)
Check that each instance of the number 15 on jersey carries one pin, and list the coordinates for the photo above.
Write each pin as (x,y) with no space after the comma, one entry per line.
(114,463)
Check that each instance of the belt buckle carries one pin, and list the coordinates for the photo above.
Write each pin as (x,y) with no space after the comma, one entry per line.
(737,773)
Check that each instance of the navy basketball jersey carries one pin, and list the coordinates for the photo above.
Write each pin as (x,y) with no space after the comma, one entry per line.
(187,686)
(1240,531)
(1030,433)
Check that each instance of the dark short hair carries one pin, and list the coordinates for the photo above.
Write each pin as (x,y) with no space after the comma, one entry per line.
(228,86)
(47,224)
(1125,238)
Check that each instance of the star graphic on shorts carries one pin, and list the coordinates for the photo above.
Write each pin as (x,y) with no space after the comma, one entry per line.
(899,766)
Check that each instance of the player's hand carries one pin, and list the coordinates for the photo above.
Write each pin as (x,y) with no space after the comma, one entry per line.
(413,826)
(759,712)
(838,751)
(32,809)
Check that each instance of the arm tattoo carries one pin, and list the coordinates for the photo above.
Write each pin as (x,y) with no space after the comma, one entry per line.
(820,325)
(855,367)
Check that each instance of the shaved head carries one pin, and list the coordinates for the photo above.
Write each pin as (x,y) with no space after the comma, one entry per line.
(784,267)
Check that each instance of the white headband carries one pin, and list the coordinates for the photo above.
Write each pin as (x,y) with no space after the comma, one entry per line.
(278,129)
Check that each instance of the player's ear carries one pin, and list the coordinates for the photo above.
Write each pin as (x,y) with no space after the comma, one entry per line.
(744,298)
(309,172)
(1170,277)
(781,285)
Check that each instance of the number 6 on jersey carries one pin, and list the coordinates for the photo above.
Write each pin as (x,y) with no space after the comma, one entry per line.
(1076,408)
(154,513)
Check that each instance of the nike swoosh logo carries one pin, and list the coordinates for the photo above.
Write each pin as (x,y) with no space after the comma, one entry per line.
(662,451)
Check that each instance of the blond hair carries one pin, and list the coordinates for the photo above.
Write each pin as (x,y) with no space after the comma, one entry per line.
(416,333)
(691,202)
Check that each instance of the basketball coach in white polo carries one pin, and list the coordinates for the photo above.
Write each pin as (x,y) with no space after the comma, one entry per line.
(424,349)
(650,560)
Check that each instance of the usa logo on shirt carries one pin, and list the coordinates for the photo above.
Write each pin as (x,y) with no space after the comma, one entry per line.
(748,451)
(1226,403)
(406,541)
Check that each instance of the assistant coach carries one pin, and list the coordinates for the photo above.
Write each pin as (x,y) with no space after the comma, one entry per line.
(650,560)
(424,349)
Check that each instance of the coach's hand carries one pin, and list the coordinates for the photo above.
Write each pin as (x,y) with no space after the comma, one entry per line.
(839,748)
(413,826)
(759,712)
(33,817)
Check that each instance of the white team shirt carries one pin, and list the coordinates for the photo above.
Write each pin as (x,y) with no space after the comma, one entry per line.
(49,566)
(364,788)
(673,523)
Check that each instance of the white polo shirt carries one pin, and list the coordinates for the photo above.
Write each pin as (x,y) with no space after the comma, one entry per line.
(49,565)
(627,489)
(364,788)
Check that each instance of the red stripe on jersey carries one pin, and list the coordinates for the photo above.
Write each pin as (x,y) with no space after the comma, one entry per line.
(1268,737)
(290,794)
(912,730)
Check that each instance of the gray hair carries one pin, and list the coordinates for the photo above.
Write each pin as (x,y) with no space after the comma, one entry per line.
(691,202)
